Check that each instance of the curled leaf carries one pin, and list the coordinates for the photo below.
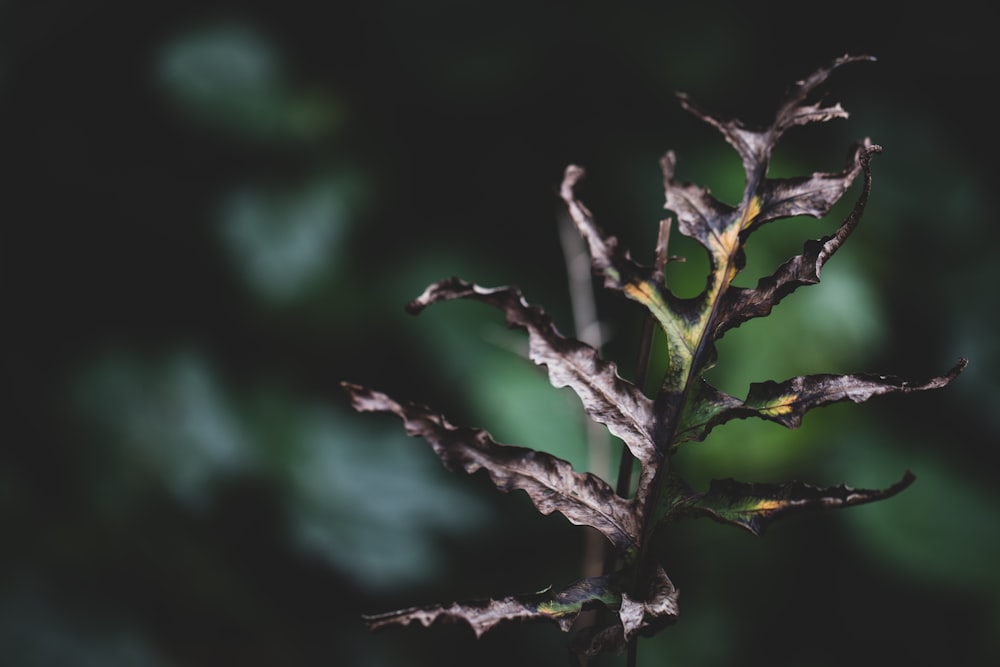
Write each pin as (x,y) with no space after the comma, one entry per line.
(550,482)
(786,402)
(755,147)
(691,325)
(651,612)
(754,506)
(640,616)
(676,317)
(740,304)
(561,607)
(607,398)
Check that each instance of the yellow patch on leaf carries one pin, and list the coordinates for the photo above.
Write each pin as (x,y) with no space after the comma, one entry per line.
(750,213)
(642,293)
(767,506)
(556,609)
(781,406)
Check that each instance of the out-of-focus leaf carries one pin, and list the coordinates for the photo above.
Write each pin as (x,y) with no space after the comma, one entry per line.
(232,76)
(283,242)
(963,553)
(173,424)
(37,629)
(171,420)
(382,540)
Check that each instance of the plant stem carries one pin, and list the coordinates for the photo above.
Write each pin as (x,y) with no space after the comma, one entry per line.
(642,368)
(588,330)
(645,345)
(598,558)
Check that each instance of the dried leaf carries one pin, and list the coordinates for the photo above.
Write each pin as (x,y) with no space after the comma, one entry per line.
(692,325)
(739,304)
(656,608)
(561,608)
(644,616)
(550,482)
(754,506)
(787,402)
(755,147)
(685,408)
(607,398)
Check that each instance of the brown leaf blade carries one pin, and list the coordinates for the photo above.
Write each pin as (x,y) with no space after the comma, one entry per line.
(755,147)
(480,615)
(754,506)
(738,305)
(787,402)
(606,257)
(640,595)
(637,616)
(550,482)
(642,284)
(562,607)
(812,195)
(607,398)
(650,613)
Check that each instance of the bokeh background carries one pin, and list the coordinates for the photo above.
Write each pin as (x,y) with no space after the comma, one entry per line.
(214,212)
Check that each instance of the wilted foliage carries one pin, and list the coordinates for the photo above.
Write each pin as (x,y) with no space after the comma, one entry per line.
(635,588)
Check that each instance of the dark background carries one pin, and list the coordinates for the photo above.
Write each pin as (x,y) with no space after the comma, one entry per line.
(214,212)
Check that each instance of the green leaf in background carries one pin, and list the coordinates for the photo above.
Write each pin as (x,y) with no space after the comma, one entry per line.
(230,76)
(360,498)
(284,242)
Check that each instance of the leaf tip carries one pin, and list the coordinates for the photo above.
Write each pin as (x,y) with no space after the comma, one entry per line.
(908,478)
(417,305)
(572,176)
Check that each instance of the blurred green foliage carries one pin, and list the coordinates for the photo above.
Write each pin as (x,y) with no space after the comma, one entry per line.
(213,214)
